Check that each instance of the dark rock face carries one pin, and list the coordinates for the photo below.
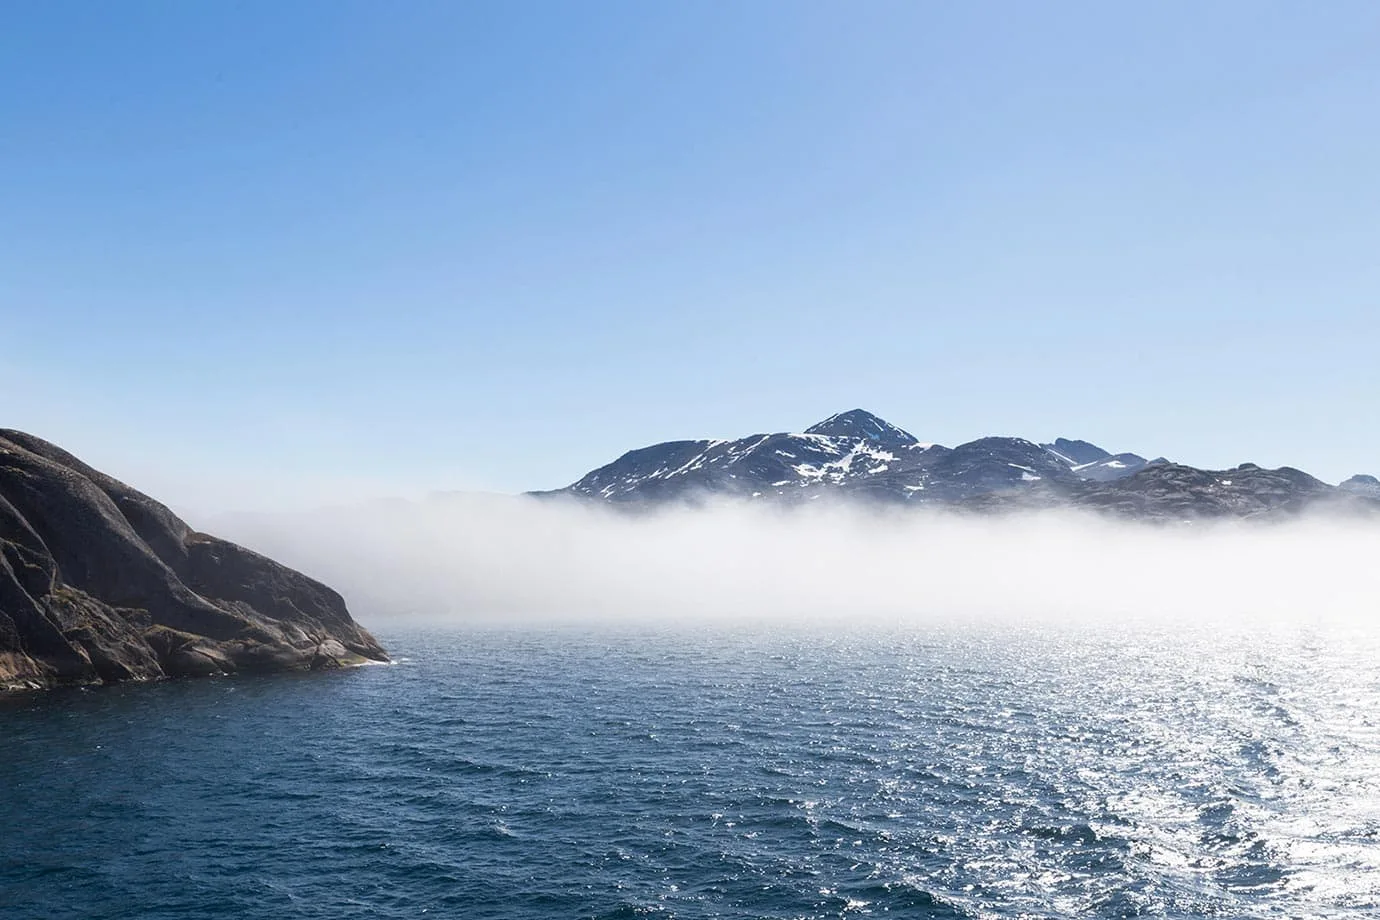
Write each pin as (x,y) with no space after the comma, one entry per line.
(1089,461)
(856,455)
(101,583)
(993,465)
(1112,467)
(859,424)
(1175,491)
(1077,453)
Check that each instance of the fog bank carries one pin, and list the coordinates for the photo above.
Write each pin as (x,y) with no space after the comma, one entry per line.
(486,558)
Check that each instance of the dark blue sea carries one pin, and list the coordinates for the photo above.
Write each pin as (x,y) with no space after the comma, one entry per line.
(620,772)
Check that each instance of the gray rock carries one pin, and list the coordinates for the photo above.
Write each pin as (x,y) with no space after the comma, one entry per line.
(1361,484)
(100,583)
(1076,453)
(1176,491)
(863,425)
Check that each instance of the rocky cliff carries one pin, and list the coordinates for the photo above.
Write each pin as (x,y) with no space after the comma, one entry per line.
(100,583)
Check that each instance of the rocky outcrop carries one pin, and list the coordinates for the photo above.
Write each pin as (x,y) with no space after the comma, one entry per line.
(100,583)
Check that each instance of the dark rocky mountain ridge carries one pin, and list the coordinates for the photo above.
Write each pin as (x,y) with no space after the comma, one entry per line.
(100,583)
(856,455)
(858,424)
(1076,453)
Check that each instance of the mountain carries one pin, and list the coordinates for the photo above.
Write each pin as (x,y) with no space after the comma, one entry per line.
(1172,490)
(857,455)
(862,425)
(1092,462)
(100,583)
(1364,485)
(1076,453)
(853,453)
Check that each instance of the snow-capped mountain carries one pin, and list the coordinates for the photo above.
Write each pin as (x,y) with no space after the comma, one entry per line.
(859,424)
(777,464)
(857,455)
(852,452)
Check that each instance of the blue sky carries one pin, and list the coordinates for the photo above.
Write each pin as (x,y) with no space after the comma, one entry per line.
(259,252)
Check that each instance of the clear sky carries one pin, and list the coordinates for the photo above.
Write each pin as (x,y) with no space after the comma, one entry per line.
(256,252)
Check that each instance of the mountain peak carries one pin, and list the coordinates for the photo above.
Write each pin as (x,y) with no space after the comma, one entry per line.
(856,456)
(859,423)
(1077,452)
(1361,484)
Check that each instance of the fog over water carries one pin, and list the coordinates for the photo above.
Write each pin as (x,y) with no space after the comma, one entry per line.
(467,558)
(742,712)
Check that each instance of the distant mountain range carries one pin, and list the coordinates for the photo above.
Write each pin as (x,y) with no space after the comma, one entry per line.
(856,455)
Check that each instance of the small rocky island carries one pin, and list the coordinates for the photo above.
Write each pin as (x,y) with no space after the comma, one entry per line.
(100,583)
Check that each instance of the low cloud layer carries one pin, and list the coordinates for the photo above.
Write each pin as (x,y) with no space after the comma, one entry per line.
(486,558)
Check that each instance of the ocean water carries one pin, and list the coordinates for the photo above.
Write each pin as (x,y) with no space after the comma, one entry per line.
(619,772)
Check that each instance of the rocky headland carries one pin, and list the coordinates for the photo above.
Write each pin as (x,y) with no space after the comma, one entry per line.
(100,583)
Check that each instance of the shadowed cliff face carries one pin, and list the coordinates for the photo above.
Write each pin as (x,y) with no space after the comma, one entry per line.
(101,583)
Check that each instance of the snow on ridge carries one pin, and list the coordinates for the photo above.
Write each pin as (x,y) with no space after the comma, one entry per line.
(838,470)
(1067,459)
(811,458)
(822,439)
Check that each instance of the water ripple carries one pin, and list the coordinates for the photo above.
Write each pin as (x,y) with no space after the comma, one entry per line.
(599,773)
